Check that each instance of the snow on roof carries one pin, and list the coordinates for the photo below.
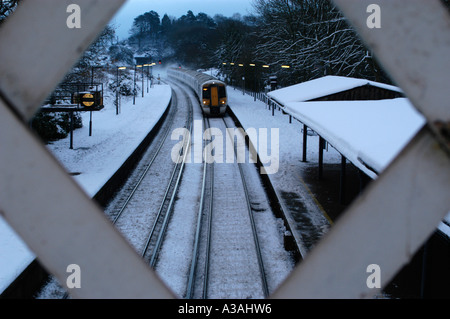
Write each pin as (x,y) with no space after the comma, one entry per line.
(370,134)
(324,86)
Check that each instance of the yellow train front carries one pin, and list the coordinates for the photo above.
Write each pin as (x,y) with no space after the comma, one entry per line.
(214,97)
(210,91)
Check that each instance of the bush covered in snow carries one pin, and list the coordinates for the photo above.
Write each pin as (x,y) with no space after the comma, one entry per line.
(54,126)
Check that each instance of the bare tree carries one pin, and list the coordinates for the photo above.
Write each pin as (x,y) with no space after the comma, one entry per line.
(6,8)
(313,37)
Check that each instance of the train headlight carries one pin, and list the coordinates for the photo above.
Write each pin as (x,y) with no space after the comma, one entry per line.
(223,101)
(205,102)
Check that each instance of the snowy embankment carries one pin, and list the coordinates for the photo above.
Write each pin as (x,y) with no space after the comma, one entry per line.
(92,161)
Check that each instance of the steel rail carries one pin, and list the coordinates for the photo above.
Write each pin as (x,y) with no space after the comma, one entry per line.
(144,173)
(252,222)
(191,280)
(194,262)
(209,231)
(182,156)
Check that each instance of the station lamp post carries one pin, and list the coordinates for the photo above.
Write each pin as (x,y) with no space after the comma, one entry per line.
(226,73)
(118,88)
(243,78)
(92,87)
(148,71)
(265,67)
(140,66)
(286,67)
(232,64)
(134,86)
(252,65)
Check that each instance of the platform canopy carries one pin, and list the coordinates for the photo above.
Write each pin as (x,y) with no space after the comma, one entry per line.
(369,133)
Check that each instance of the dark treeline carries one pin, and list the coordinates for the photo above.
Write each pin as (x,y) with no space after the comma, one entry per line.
(189,40)
(6,8)
(311,36)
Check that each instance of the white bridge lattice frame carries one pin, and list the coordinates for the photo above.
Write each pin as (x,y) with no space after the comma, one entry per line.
(62,225)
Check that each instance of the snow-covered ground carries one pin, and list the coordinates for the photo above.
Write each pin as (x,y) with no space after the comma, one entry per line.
(95,159)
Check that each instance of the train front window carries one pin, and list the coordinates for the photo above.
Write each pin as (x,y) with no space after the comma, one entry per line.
(222,92)
(206,93)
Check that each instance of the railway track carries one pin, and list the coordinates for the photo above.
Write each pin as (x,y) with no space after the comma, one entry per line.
(216,215)
(134,209)
(163,217)
(227,259)
(205,214)
(158,171)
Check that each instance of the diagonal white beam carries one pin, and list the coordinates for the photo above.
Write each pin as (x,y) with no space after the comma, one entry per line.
(385,227)
(62,225)
(38,48)
(59,223)
(316,277)
(403,207)
(413,45)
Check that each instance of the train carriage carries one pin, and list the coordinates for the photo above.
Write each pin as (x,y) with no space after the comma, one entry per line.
(211,92)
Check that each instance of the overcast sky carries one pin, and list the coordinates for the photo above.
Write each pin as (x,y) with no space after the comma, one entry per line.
(133,8)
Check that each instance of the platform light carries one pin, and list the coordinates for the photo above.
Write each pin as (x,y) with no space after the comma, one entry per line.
(252,64)
(122,67)
(286,66)
(241,64)
(265,66)
(232,63)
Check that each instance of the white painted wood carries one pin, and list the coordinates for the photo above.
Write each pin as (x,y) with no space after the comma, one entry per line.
(403,207)
(56,219)
(38,48)
(413,45)
(62,225)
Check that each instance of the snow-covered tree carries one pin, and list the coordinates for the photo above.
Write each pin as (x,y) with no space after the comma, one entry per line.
(6,8)
(313,37)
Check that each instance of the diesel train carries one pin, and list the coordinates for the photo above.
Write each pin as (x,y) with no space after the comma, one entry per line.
(211,92)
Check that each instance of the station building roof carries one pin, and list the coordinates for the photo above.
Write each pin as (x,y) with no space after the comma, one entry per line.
(322,87)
